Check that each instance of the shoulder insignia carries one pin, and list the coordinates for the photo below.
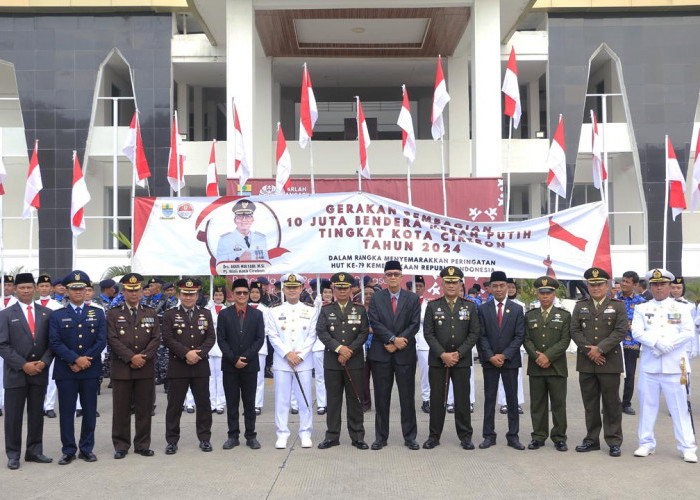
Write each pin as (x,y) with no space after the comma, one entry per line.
(434,300)
(615,299)
(582,300)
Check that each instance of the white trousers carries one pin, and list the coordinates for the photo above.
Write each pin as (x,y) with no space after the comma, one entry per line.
(521,394)
(286,385)
(423,372)
(216,384)
(260,388)
(189,399)
(649,388)
(50,399)
(320,379)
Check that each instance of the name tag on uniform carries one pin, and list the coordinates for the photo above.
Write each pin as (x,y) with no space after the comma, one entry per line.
(609,310)
(14,320)
(66,319)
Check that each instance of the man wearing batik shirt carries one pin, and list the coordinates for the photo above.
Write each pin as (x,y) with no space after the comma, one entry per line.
(630,350)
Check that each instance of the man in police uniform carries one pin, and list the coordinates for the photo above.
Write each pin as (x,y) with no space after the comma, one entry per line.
(598,325)
(133,333)
(451,328)
(291,328)
(77,335)
(547,336)
(665,328)
(343,329)
(188,332)
(242,244)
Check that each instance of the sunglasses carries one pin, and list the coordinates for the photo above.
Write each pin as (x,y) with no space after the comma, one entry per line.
(241,292)
(392,275)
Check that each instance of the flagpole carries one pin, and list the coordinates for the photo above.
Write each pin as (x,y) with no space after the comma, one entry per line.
(177,156)
(359,131)
(115,172)
(510,136)
(31,233)
(211,288)
(444,187)
(408,181)
(2,250)
(133,190)
(665,202)
(605,154)
(311,165)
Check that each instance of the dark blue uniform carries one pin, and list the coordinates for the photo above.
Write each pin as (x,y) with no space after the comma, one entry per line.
(71,336)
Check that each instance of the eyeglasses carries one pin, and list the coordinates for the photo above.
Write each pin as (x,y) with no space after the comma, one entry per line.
(241,292)
(392,275)
(244,217)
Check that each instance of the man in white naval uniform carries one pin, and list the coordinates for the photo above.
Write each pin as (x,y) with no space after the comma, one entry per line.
(242,244)
(422,348)
(291,328)
(512,294)
(43,286)
(255,297)
(664,327)
(217,399)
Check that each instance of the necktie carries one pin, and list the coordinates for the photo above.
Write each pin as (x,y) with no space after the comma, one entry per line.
(500,314)
(451,305)
(544,316)
(189,314)
(133,312)
(78,310)
(393,303)
(247,241)
(218,308)
(342,309)
(7,299)
(44,302)
(30,320)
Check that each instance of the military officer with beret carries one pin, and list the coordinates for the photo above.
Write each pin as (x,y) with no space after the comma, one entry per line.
(342,327)
(598,325)
(664,327)
(451,328)
(133,333)
(242,244)
(188,332)
(547,336)
(77,335)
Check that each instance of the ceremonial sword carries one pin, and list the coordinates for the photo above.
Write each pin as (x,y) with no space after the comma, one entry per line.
(301,387)
(352,384)
(685,380)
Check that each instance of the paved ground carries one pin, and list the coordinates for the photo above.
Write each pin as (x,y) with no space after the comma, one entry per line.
(395,471)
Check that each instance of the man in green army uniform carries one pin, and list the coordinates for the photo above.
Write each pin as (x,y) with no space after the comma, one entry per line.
(598,325)
(451,328)
(546,339)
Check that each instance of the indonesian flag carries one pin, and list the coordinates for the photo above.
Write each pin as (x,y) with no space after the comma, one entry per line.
(556,162)
(212,177)
(176,165)
(599,172)
(675,180)
(79,198)
(408,138)
(3,171)
(440,100)
(363,140)
(512,90)
(695,188)
(308,112)
(133,149)
(34,185)
(284,163)
(241,164)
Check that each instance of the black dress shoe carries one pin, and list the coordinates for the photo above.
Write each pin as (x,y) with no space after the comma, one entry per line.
(321,410)
(78,413)
(253,444)
(119,454)
(425,407)
(615,451)
(628,410)
(503,410)
(587,446)
(360,444)
(535,445)
(487,443)
(295,411)
(87,456)
(471,407)
(450,408)
(171,449)
(66,459)
(467,444)
(39,459)
(189,409)
(378,445)
(258,410)
(516,444)
(411,445)
(219,411)
(327,443)
(231,443)
(13,464)
(561,446)
(97,413)
(520,410)
(431,443)
(205,446)
(50,413)
(145,453)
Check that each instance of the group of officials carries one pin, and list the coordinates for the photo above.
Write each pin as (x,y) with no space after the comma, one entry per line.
(73,337)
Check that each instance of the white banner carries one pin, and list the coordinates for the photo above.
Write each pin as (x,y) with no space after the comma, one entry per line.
(357,233)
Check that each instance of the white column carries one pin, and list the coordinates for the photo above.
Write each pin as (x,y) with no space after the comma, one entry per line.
(533,108)
(211,119)
(264,124)
(198,112)
(183,108)
(486,89)
(240,77)
(459,160)
(535,197)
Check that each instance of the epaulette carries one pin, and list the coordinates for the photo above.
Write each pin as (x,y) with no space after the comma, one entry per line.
(614,299)
(277,304)
(146,306)
(359,304)
(682,300)
(533,310)
(433,300)
(582,300)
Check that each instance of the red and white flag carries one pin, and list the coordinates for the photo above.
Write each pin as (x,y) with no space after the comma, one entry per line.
(675,181)
(440,100)
(133,149)
(212,176)
(695,188)
(34,185)
(284,163)
(408,138)
(599,172)
(556,162)
(363,140)
(176,163)
(511,90)
(240,162)
(308,112)
(79,198)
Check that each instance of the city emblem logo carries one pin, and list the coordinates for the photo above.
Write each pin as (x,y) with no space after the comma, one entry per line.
(185,210)
(166,210)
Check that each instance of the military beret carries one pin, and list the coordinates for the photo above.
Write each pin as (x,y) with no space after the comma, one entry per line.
(131,281)
(546,284)
(451,274)
(57,281)
(168,285)
(419,279)
(189,285)
(263,280)
(240,283)
(24,278)
(342,280)
(392,265)
(76,279)
(243,207)
(155,280)
(596,275)
(108,283)
(498,276)
(325,284)
(292,279)
(366,279)
(660,276)
(43,278)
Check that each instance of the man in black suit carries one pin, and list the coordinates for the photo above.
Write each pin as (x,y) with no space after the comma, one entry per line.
(24,345)
(394,314)
(502,334)
(240,332)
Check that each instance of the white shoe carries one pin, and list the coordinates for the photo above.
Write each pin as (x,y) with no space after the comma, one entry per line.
(281,443)
(643,451)
(306,442)
(690,457)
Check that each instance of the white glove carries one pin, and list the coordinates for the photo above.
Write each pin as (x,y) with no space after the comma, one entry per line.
(694,354)
(663,347)
(655,353)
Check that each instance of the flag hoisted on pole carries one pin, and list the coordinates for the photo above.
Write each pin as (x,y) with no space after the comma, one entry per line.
(513,109)
(3,174)
(133,149)
(242,169)
(437,128)
(695,187)
(308,114)
(212,176)
(284,163)
(408,139)
(675,182)
(600,174)
(556,163)
(34,185)
(176,172)
(363,142)
(79,198)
